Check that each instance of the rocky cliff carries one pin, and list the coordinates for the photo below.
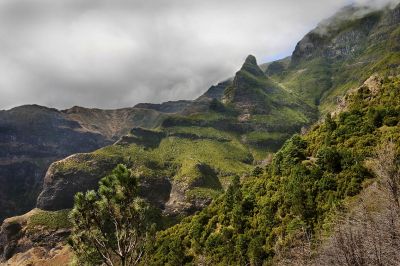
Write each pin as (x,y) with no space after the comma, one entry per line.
(340,53)
(31,138)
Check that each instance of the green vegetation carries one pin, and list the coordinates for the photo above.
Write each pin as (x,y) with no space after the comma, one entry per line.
(50,219)
(112,225)
(258,220)
(345,55)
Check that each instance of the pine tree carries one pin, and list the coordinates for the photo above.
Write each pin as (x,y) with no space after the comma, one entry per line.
(110,226)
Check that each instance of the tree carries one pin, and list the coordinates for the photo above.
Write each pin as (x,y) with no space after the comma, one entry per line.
(112,224)
(386,166)
(369,232)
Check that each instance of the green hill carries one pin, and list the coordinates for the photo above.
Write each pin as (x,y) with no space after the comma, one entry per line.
(261,218)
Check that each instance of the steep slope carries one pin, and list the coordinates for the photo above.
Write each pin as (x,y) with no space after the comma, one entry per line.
(341,53)
(31,138)
(195,149)
(262,219)
(113,124)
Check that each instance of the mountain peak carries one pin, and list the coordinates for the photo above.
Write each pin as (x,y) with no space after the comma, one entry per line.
(251,59)
(250,65)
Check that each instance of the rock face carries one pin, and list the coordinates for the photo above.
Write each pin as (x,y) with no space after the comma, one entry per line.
(340,54)
(33,243)
(32,137)
(339,37)
(60,186)
(81,172)
(215,92)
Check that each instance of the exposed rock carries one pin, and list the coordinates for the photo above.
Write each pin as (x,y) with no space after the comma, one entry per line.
(60,186)
(250,65)
(339,37)
(31,138)
(215,92)
(373,85)
(114,123)
(18,237)
(166,107)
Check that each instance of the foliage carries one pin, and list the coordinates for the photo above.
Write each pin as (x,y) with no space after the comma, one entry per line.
(257,220)
(112,224)
(50,219)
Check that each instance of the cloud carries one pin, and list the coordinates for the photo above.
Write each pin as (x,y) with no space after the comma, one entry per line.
(110,54)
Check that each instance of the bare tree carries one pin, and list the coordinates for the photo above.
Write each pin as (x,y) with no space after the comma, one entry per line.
(369,233)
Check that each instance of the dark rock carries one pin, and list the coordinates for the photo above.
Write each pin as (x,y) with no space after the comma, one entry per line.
(31,138)
(215,92)
(83,173)
(17,237)
(166,107)
(250,65)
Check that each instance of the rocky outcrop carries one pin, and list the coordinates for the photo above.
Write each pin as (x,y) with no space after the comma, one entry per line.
(246,87)
(113,124)
(215,91)
(345,34)
(64,178)
(31,242)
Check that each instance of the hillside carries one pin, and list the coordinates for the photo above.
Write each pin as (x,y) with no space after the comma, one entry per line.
(31,138)
(190,155)
(295,198)
(339,54)
(256,171)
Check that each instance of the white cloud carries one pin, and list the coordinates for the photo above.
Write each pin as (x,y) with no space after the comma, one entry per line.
(110,54)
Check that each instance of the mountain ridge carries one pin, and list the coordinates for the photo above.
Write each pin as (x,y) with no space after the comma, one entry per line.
(190,157)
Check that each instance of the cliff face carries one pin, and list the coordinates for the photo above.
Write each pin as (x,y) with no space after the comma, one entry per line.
(36,238)
(31,138)
(340,53)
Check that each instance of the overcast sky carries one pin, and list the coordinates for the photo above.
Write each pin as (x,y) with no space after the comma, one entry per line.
(114,53)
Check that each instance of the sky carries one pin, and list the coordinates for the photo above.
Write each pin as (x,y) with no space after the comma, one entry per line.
(115,53)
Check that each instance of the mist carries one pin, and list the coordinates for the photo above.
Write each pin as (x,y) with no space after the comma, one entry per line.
(112,54)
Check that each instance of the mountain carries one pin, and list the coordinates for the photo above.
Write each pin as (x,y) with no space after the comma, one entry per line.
(182,174)
(341,53)
(187,155)
(210,160)
(32,137)
(276,215)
